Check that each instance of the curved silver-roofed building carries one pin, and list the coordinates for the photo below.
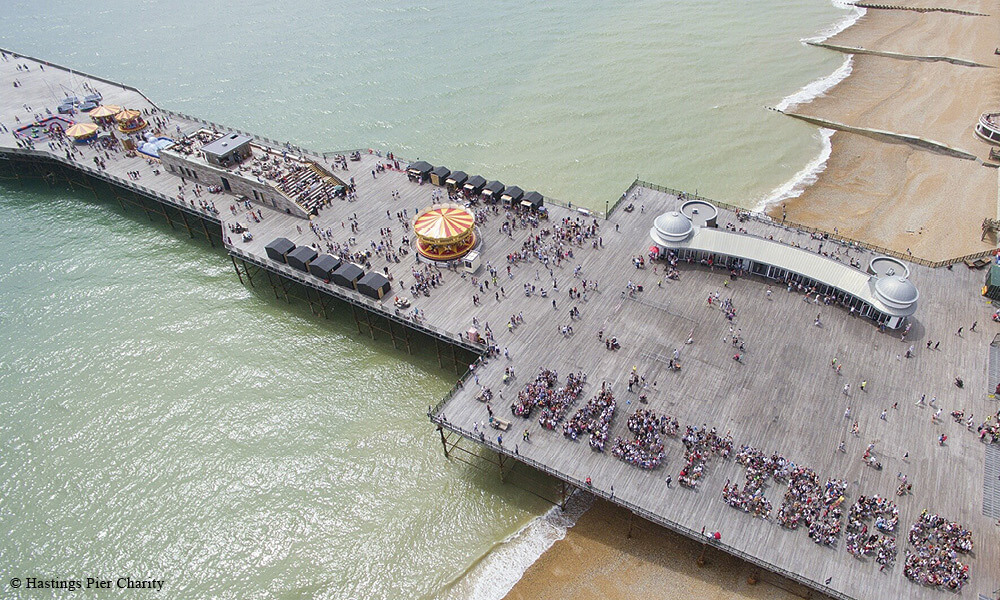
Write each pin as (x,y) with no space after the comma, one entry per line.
(883,294)
(672,227)
(896,291)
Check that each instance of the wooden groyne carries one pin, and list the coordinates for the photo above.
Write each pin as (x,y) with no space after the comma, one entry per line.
(900,56)
(885,136)
(919,9)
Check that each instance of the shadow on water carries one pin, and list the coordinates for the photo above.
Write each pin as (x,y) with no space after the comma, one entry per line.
(45,183)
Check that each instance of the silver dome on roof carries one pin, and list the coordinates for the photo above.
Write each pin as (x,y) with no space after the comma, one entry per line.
(673,226)
(896,291)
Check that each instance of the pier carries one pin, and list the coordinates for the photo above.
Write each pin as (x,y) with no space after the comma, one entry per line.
(784,395)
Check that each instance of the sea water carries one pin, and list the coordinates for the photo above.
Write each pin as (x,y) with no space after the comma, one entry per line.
(159,420)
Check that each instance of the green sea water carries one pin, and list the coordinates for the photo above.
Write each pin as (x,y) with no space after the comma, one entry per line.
(159,420)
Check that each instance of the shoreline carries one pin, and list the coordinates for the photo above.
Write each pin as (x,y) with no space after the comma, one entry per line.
(607,554)
(572,566)
(889,194)
(809,173)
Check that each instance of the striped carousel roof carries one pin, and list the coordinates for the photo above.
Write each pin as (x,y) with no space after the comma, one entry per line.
(443,223)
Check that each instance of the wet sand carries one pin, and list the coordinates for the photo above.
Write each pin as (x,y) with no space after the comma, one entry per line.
(597,560)
(888,194)
(893,194)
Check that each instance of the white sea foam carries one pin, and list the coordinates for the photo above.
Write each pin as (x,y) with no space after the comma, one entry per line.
(856,12)
(495,573)
(817,88)
(794,187)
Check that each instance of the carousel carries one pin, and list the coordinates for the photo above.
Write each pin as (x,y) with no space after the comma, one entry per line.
(445,232)
(129,121)
(82,132)
(105,112)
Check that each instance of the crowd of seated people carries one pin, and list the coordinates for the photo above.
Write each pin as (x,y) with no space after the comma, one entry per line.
(529,396)
(864,543)
(555,405)
(646,449)
(750,499)
(817,506)
(700,443)
(935,561)
(594,418)
(303,182)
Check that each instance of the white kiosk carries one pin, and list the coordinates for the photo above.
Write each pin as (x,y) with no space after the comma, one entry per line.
(471,262)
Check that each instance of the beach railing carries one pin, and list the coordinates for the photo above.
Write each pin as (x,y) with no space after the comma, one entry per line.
(793,226)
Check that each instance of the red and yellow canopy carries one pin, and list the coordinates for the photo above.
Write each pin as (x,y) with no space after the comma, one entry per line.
(444,224)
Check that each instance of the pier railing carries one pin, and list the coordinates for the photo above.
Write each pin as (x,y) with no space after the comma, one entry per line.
(439,418)
(81,73)
(46,156)
(759,216)
(356,299)
(791,226)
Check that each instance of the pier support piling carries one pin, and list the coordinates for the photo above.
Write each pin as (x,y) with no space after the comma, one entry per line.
(235,268)
(186,224)
(444,442)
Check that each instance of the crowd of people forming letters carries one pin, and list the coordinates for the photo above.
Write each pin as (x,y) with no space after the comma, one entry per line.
(871,522)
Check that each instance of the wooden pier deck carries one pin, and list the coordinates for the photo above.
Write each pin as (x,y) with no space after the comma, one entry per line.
(782,397)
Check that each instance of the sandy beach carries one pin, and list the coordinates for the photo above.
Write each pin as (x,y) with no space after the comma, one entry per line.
(893,194)
(597,560)
(890,194)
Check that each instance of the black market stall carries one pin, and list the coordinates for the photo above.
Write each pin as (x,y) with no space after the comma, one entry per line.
(474,185)
(419,171)
(301,257)
(279,248)
(439,175)
(347,275)
(492,191)
(456,180)
(532,200)
(512,195)
(374,285)
(324,266)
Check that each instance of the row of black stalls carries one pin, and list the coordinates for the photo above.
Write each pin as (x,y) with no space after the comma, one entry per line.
(475,186)
(328,268)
